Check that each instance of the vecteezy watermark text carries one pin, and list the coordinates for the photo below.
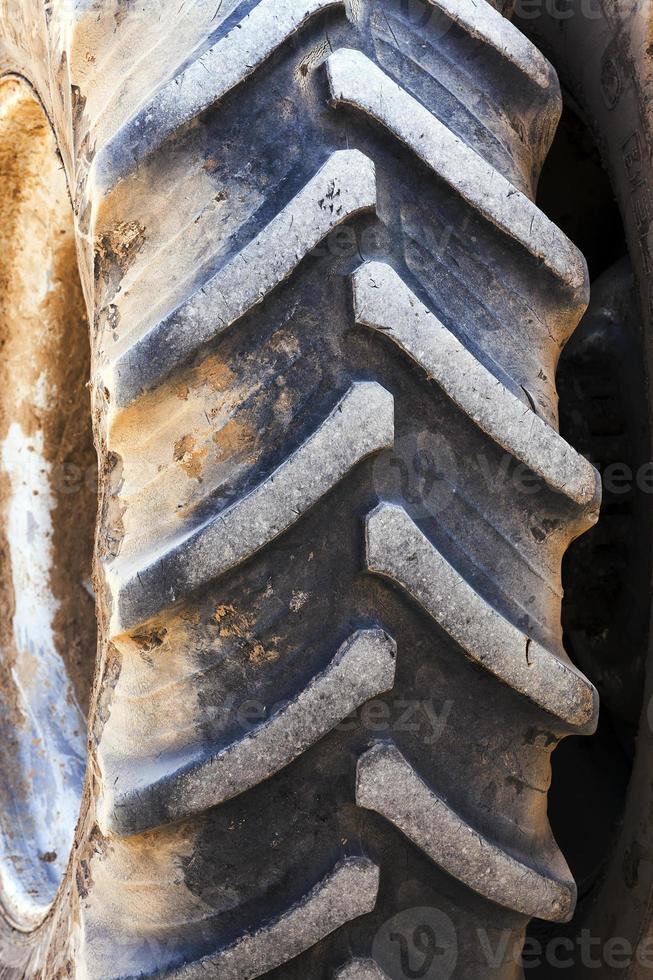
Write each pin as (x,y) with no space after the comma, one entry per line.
(422,943)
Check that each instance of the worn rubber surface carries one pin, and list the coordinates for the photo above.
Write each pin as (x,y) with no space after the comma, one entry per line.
(606,65)
(326,322)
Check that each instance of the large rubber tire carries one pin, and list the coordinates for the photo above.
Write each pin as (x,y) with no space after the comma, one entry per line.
(326,317)
(603,52)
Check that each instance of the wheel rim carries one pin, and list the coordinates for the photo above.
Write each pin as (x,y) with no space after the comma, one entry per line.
(46,526)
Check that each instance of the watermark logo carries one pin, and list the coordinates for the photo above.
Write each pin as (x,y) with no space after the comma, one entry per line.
(417,944)
(560,10)
(422,472)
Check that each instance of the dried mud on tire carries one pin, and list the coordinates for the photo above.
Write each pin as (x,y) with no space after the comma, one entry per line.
(326,317)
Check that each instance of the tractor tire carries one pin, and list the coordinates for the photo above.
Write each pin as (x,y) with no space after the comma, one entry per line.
(325,318)
(605,59)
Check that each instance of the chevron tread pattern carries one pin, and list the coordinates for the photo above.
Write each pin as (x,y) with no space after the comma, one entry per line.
(327,317)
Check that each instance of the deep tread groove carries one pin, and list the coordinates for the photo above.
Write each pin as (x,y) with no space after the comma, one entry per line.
(360,424)
(363,668)
(348,892)
(342,188)
(396,548)
(356,81)
(299,458)
(483,23)
(383,302)
(387,783)
(205,81)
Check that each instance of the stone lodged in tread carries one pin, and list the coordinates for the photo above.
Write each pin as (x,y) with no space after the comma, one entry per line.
(397,549)
(363,668)
(389,785)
